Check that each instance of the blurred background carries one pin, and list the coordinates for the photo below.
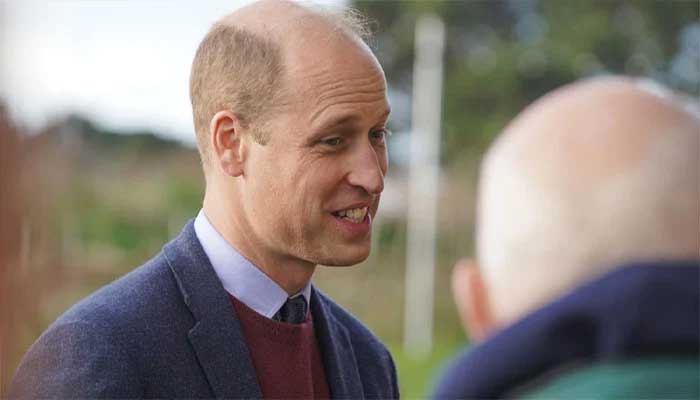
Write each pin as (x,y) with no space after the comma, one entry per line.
(98,167)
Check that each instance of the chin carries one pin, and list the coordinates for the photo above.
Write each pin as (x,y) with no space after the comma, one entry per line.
(346,257)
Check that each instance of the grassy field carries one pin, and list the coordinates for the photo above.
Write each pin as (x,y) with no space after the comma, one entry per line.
(417,376)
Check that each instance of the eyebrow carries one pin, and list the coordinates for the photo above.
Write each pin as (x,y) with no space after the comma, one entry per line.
(341,121)
(351,119)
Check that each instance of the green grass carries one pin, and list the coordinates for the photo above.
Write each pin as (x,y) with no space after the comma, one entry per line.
(418,375)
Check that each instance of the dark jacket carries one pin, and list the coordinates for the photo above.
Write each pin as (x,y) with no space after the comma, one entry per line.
(638,324)
(168,329)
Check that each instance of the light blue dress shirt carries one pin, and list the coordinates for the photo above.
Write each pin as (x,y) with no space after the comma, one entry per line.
(239,276)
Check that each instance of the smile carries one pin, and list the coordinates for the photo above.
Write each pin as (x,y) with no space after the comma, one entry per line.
(355,215)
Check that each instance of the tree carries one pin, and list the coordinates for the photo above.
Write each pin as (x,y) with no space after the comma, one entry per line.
(501,55)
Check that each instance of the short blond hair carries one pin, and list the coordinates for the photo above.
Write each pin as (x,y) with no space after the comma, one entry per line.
(236,70)
(242,71)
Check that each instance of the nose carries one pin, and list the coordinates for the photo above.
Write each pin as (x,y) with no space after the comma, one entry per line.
(368,167)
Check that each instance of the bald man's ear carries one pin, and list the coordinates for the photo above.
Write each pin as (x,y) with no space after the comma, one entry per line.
(471,298)
(227,144)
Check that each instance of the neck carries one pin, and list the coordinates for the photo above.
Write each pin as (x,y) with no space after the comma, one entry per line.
(291,274)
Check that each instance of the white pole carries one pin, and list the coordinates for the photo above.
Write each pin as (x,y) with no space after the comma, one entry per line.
(423,185)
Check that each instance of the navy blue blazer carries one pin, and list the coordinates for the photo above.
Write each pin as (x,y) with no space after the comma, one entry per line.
(168,329)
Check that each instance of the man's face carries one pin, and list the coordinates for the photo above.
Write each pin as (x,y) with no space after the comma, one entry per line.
(313,189)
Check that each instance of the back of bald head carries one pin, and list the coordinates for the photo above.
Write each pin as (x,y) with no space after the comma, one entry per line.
(594,175)
(240,64)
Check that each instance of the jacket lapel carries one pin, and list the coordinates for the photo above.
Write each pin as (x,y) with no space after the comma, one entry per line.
(216,337)
(339,361)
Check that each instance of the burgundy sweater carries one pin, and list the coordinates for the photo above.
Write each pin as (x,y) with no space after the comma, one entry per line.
(286,357)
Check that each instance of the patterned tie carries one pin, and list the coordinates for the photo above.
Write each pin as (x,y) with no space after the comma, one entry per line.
(293,311)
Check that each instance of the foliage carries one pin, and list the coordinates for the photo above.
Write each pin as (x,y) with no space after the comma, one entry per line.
(501,55)
(417,376)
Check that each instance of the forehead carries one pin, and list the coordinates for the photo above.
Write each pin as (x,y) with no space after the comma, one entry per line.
(330,78)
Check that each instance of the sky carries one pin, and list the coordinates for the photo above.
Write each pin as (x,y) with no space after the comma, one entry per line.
(123,64)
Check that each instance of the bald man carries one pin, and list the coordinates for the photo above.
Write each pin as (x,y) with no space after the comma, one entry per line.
(588,241)
(290,112)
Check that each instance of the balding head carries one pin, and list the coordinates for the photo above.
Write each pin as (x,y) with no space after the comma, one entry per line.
(286,22)
(243,63)
(593,175)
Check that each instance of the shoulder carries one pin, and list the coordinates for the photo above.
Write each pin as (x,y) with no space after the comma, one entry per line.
(93,347)
(76,358)
(144,294)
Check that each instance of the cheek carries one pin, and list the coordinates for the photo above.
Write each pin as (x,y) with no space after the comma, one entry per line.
(294,191)
(314,190)
(265,186)
(320,181)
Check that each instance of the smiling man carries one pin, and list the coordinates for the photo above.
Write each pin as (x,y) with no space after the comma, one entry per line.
(290,110)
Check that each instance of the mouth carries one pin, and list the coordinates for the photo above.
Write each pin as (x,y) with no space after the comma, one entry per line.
(355,215)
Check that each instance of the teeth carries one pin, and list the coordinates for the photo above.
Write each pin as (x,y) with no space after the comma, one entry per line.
(356,215)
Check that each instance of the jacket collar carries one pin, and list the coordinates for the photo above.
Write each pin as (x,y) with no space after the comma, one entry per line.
(216,336)
(637,310)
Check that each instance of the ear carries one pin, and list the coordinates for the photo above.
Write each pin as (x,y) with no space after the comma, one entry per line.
(227,144)
(471,297)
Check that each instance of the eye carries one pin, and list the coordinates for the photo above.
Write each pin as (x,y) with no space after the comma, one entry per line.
(332,141)
(379,135)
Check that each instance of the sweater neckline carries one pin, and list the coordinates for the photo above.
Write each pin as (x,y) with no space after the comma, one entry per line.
(271,329)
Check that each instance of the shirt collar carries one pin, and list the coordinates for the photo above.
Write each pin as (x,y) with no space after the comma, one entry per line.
(239,276)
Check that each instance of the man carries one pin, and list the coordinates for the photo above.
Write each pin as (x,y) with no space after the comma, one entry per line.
(290,110)
(588,245)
